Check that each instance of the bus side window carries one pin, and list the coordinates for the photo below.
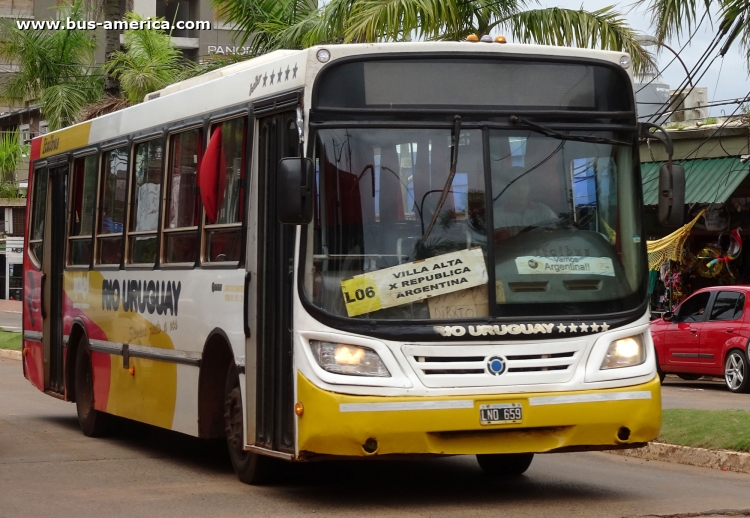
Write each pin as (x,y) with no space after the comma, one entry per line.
(38,212)
(222,178)
(145,194)
(82,203)
(181,222)
(113,199)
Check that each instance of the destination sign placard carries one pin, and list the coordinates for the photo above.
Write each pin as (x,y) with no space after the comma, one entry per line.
(414,281)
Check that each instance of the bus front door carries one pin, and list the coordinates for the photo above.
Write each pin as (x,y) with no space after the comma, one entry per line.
(274,384)
(53,258)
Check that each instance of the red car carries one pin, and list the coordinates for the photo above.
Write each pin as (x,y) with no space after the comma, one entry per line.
(706,335)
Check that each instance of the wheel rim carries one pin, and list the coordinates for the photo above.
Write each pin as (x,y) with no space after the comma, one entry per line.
(734,371)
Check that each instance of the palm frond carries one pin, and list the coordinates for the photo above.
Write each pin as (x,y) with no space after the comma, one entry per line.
(669,18)
(603,29)
(149,63)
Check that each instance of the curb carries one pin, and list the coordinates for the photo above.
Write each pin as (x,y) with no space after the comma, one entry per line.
(11,355)
(724,460)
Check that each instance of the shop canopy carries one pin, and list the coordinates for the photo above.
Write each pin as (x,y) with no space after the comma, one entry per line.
(709,180)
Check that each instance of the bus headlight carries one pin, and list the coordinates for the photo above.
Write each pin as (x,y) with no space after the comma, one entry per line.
(625,352)
(353,360)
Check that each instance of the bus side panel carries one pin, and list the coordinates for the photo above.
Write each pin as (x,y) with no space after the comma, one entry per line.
(33,359)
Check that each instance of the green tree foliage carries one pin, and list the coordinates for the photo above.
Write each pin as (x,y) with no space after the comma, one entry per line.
(11,153)
(55,68)
(672,18)
(267,25)
(149,63)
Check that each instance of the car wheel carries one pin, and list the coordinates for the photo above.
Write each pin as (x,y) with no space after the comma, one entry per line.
(689,377)
(736,371)
(505,465)
(94,423)
(250,467)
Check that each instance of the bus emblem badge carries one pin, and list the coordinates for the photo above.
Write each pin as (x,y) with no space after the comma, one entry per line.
(496,365)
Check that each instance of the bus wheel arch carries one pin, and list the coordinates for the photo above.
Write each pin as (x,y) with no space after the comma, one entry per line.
(216,358)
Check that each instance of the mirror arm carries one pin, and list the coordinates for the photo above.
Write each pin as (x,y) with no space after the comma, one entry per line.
(645,133)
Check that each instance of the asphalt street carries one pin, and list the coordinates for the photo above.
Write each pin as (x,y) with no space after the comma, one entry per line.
(10,320)
(48,468)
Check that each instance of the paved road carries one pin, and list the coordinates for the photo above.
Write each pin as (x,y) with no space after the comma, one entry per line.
(48,468)
(705,394)
(10,321)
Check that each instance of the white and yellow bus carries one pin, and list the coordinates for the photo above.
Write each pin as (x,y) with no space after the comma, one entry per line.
(354,251)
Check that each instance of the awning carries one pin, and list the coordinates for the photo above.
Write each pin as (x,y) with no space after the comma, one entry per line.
(710,180)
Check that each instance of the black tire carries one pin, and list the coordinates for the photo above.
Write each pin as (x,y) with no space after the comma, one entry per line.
(660,372)
(505,465)
(689,377)
(94,423)
(736,371)
(250,468)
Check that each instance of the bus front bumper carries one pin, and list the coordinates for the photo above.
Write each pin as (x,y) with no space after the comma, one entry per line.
(345,425)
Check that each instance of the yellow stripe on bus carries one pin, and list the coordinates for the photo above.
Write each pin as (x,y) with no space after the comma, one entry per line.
(65,140)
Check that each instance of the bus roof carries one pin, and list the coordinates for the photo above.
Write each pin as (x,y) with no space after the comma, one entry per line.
(264,76)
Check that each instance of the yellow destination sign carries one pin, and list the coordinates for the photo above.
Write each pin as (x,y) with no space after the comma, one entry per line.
(415,281)
(65,140)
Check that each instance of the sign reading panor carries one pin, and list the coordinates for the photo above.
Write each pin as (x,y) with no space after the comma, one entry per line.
(415,281)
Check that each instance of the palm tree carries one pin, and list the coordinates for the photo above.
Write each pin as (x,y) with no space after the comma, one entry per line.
(55,68)
(670,18)
(149,62)
(267,25)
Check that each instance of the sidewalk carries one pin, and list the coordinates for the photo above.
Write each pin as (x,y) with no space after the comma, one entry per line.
(11,306)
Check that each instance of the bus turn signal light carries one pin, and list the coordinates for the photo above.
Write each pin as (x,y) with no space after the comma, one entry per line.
(131,370)
(500,39)
(25,351)
(299,409)
(472,37)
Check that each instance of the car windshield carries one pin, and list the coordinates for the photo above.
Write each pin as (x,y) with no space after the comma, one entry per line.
(402,228)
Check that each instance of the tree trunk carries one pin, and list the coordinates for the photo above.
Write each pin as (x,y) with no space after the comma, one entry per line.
(111,43)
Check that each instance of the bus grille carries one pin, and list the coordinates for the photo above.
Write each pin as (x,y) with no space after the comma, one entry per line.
(526,363)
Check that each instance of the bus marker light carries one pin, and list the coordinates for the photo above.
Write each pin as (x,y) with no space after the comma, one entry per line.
(486,39)
(299,409)
(323,56)
(625,62)
(501,39)
(472,37)
(25,351)
(131,370)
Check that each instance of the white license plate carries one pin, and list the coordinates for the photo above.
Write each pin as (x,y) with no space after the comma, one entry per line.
(500,413)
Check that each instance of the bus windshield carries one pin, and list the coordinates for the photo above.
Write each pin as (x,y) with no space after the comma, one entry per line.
(554,224)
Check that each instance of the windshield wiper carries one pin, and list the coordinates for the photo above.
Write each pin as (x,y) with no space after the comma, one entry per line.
(449,181)
(549,132)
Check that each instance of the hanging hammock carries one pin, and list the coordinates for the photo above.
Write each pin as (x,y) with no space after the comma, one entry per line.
(669,248)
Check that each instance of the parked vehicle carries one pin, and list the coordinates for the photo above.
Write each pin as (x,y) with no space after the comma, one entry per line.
(706,335)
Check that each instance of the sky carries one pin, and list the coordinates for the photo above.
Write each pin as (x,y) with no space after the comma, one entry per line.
(727,80)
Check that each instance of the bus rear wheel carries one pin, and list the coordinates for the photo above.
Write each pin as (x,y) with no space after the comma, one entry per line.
(505,465)
(94,423)
(250,467)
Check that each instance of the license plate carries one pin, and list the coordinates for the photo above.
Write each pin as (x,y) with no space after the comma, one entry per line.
(500,413)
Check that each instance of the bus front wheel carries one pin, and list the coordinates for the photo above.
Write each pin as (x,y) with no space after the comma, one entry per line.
(505,465)
(94,423)
(251,468)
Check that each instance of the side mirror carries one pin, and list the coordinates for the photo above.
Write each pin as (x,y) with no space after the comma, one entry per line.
(668,316)
(294,190)
(671,195)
